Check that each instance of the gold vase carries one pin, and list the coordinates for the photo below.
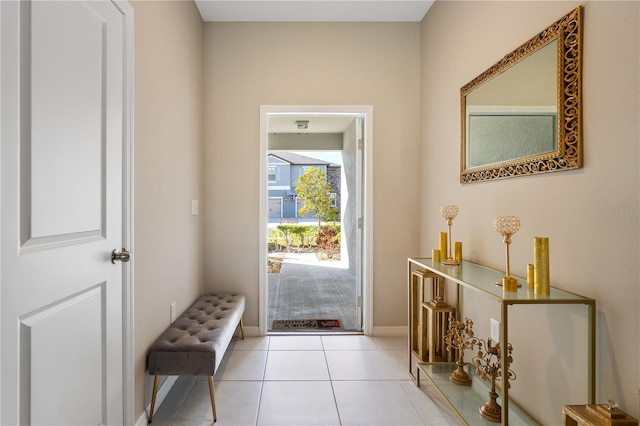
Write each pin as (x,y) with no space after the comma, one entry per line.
(541,282)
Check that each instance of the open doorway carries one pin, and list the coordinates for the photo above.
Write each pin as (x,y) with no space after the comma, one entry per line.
(307,285)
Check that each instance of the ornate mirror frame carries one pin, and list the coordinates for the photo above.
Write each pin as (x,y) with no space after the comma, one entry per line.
(568,154)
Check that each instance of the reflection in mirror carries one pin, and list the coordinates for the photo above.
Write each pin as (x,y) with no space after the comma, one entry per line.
(522,116)
(507,120)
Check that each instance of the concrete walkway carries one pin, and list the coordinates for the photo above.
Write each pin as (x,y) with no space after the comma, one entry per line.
(307,288)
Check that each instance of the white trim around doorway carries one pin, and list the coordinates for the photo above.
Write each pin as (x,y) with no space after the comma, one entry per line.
(367,207)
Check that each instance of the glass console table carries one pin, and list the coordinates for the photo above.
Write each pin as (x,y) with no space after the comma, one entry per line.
(481,279)
(465,400)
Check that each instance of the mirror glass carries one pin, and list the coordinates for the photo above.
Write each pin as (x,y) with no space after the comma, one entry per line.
(514,115)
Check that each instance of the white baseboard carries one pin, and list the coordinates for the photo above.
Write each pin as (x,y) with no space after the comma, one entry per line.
(399,331)
(163,390)
(250,331)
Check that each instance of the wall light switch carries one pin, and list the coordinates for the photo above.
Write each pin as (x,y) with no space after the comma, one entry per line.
(494,330)
(195,207)
(172,312)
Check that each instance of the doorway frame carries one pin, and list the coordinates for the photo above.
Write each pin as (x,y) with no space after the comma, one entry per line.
(128,286)
(367,203)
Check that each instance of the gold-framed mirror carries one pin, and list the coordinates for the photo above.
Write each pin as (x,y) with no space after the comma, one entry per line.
(522,116)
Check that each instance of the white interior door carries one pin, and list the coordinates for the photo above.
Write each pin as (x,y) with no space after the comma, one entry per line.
(63,134)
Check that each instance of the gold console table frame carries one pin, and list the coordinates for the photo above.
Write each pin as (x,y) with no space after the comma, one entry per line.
(481,279)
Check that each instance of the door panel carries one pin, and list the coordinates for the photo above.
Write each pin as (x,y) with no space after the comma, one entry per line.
(66,115)
(62,212)
(53,333)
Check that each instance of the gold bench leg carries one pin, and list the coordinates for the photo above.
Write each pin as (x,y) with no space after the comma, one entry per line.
(213,399)
(153,397)
(241,329)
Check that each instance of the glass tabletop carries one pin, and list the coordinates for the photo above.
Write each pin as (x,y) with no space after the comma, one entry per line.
(484,279)
(467,400)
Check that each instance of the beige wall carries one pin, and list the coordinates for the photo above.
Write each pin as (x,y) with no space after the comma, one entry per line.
(168,170)
(416,149)
(593,242)
(253,64)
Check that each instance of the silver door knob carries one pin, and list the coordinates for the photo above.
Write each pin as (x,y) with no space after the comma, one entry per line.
(122,255)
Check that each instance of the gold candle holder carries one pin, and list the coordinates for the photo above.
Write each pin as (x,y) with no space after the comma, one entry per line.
(435,255)
(541,283)
(460,337)
(488,365)
(507,226)
(530,273)
(509,284)
(443,246)
(448,212)
(457,252)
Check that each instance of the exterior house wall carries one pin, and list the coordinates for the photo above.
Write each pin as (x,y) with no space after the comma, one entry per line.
(283,172)
(289,206)
(287,175)
(298,170)
(348,193)
(334,180)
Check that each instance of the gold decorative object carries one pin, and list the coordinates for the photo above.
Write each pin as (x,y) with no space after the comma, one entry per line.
(507,226)
(489,366)
(565,37)
(597,414)
(435,255)
(428,316)
(443,246)
(449,212)
(458,252)
(438,314)
(530,272)
(460,337)
(541,283)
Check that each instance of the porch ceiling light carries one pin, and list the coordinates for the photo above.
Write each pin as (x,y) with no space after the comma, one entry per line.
(302,124)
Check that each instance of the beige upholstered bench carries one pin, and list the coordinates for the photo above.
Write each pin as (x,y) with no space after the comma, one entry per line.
(196,342)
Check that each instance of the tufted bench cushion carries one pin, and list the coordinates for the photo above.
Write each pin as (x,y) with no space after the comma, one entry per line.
(196,342)
(189,346)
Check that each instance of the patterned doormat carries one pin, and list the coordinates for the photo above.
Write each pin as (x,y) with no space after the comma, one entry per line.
(314,324)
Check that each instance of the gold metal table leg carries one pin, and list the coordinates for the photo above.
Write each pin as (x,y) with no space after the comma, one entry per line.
(153,397)
(241,328)
(213,399)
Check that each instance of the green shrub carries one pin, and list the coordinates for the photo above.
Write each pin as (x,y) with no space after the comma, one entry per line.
(289,236)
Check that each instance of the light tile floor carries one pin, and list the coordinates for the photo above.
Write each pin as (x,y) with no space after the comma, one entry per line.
(309,380)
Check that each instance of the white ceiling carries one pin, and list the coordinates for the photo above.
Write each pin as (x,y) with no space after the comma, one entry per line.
(313,10)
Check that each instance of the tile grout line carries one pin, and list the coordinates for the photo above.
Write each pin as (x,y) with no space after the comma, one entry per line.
(333,391)
(179,407)
(264,374)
